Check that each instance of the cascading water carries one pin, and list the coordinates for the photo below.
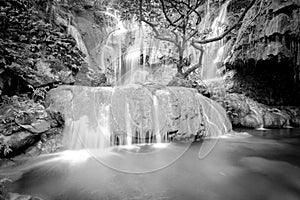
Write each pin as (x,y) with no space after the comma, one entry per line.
(98,118)
(214,51)
(136,114)
(127,50)
(121,51)
(128,125)
(133,58)
(72,30)
(156,119)
(111,51)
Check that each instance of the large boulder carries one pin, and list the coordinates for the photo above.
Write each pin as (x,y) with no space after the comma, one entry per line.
(140,112)
(245,112)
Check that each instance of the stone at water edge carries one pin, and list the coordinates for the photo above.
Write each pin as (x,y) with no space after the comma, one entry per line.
(245,112)
(276,119)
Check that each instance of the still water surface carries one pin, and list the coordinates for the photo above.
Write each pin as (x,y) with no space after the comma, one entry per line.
(239,166)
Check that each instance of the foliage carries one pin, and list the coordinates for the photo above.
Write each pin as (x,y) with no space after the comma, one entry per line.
(26,38)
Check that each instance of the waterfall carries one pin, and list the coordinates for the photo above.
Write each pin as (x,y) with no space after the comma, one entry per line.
(84,131)
(122,50)
(131,113)
(204,25)
(133,57)
(128,125)
(214,51)
(128,49)
(101,117)
(156,124)
(110,52)
(72,30)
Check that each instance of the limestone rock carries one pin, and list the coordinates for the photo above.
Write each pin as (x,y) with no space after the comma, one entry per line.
(276,22)
(136,109)
(275,119)
(184,82)
(278,25)
(245,112)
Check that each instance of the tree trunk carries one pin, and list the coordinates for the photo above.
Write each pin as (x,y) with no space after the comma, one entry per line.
(196,66)
(180,62)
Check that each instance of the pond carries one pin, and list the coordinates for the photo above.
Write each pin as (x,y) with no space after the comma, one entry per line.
(242,165)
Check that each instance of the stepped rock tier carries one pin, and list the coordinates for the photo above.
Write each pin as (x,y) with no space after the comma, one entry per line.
(135,114)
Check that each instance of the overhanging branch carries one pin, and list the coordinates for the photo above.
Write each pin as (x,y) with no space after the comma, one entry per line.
(157,34)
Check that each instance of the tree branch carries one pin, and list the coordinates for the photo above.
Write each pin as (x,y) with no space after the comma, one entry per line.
(196,66)
(166,14)
(157,35)
(192,34)
(229,30)
(175,7)
(191,8)
(197,46)
(180,13)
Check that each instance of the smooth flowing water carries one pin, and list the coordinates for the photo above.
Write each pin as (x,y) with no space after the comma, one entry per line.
(102,117)
(239,166)
(72,30)
(214,51)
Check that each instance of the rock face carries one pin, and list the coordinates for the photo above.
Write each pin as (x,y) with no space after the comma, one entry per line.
(245,112)
(99,117)
(266,52)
